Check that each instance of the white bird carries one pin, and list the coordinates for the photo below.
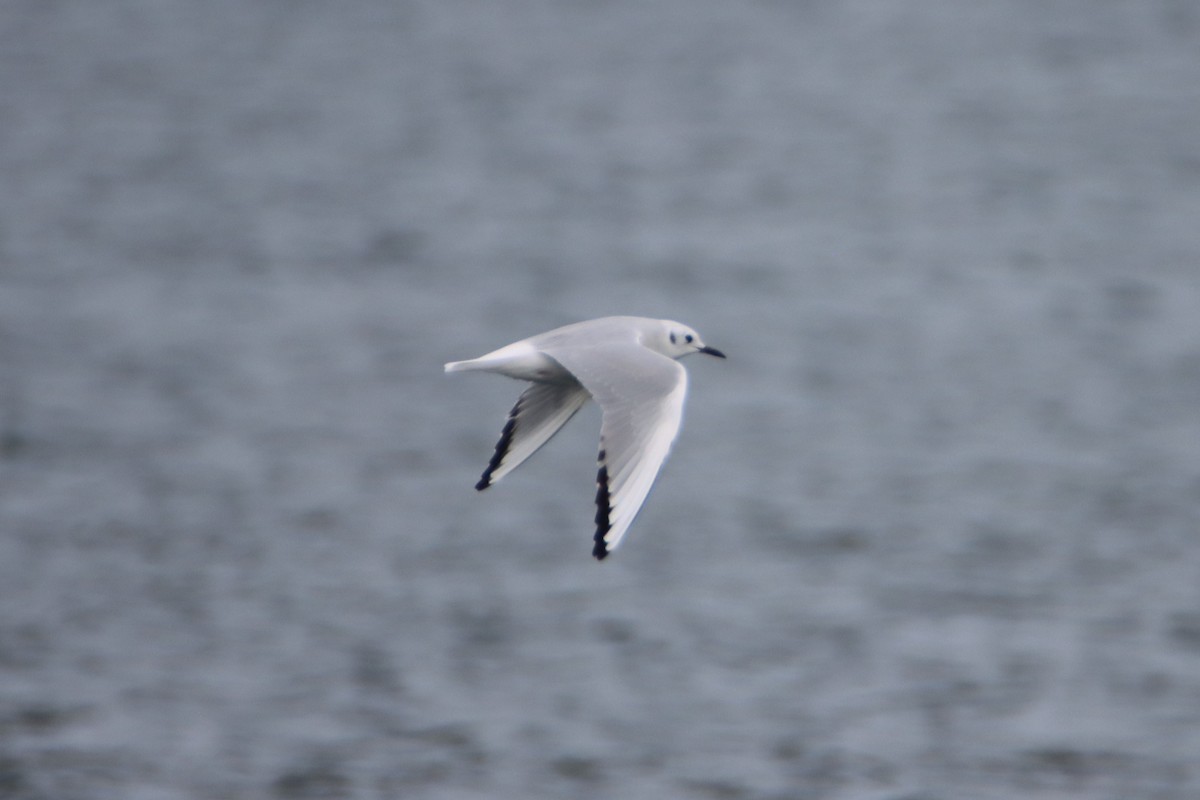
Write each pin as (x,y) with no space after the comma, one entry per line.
(628,365)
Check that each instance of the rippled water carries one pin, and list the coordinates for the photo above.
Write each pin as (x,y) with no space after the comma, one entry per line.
(930,532)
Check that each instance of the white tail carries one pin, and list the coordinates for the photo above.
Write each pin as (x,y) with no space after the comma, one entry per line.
(520,361)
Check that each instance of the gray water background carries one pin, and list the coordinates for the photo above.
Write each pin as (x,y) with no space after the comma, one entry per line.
(930,532)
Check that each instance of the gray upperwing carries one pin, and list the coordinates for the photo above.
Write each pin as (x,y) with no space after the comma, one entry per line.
(641,396)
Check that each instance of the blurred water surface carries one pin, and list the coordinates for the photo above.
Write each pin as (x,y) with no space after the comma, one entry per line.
(931,531)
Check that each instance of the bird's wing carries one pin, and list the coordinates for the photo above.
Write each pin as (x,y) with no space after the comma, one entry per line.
(540,412)
(641,396)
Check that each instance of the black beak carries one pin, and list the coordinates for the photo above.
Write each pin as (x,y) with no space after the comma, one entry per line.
(712,351)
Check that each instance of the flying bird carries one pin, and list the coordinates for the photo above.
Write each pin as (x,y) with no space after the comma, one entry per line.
(628,365)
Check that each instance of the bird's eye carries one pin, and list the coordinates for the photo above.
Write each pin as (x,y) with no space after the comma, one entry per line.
(672,337)
(688,338)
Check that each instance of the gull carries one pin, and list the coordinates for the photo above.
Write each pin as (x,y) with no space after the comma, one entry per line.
(628,365)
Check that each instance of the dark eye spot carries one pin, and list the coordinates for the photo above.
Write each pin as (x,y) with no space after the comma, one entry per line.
(672,337)
(688,338)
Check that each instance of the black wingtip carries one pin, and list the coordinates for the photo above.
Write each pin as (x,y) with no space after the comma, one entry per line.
(603,509)
(502,446)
